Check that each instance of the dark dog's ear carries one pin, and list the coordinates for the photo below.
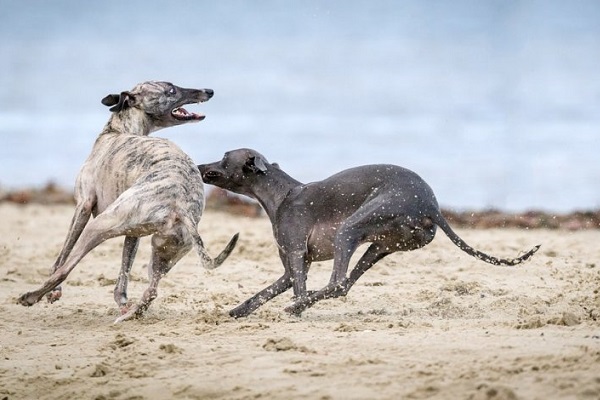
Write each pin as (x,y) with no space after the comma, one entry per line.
(255,164)
(119,101)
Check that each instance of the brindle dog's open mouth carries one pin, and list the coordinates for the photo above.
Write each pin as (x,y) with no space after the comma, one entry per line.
(181,114)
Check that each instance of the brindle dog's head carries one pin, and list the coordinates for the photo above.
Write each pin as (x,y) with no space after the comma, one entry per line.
(161,101)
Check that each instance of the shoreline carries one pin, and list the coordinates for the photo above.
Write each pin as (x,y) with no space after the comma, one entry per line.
(218,199)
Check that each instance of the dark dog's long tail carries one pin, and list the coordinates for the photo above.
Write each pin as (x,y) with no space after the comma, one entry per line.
(440,221)
(207,260)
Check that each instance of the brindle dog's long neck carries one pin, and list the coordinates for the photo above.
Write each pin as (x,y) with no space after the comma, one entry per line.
(131,122)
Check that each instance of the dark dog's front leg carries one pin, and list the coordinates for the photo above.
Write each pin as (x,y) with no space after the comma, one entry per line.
(279,286)
(296,264)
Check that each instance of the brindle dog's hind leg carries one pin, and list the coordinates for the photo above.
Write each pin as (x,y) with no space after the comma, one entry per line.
(81,216)
(130,247)
(167,250)
(105,226)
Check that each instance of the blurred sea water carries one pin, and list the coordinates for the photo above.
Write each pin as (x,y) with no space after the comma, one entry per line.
(495,103)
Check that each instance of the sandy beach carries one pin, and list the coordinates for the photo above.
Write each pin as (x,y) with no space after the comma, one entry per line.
(433,323)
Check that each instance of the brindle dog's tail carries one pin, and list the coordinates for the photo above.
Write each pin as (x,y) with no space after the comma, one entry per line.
(207,261)
(440,221)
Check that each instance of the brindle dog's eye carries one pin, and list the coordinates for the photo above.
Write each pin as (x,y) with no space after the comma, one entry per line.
(172,90)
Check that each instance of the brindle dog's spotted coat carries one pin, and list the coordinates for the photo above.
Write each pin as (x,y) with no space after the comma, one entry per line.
(135,185)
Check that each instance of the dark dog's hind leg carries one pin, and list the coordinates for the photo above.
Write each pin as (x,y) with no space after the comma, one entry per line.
(374,253)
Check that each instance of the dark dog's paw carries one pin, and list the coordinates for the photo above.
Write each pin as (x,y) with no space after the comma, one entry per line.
(297,307)
(309,293)
(238,312)
(339,290)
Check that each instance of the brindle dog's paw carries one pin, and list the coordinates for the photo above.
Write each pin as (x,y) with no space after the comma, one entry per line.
(54,295)
(125,307)
(27,299)
(133,312)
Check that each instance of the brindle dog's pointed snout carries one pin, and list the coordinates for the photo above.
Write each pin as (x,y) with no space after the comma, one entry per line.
(200,95)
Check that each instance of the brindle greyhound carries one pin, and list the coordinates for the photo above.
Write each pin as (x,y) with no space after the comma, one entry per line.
(385,205)
(136,185)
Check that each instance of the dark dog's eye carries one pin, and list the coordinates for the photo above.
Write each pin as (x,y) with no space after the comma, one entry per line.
(171,91)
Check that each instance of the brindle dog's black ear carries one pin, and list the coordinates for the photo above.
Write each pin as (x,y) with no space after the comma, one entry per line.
(122,101)
(256,165)
(110,100)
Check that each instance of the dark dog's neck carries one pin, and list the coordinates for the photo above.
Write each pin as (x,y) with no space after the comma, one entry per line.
(272,188)
(130,122)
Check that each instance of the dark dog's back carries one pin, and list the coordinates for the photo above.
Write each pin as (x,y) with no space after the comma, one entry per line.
(399,189)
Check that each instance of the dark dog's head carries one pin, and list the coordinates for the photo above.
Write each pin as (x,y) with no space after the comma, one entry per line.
(237,171)
(161,102)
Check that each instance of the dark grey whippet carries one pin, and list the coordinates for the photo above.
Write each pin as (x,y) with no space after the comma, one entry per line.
(385,205)
(135,185)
